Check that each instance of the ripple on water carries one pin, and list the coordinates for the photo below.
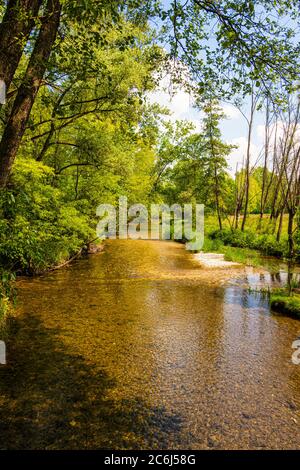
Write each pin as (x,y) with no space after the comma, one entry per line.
(139,347)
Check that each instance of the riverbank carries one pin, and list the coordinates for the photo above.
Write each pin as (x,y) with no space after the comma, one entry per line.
(8,292)
(285,303)
(7,299)
(258,239)
(282,300)
(234,254)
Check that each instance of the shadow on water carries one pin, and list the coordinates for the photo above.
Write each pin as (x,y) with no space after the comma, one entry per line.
(53,399)
(178,357)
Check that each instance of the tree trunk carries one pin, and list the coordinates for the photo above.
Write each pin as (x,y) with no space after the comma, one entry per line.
(217,192)
(238,209)
(247,187)
(47,142)
(290,234)
(15,127)
(264,196)
(17,23)
(247,169)
(280,226)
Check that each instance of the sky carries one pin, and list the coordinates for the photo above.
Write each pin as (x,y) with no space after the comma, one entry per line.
(234,129)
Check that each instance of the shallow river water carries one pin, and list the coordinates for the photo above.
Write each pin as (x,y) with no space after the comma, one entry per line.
(140,347)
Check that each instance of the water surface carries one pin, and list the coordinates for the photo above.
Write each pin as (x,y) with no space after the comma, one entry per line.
(139,347)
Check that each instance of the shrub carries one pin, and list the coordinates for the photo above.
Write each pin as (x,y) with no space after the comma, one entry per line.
(7,293)
(267,244)
(38,228)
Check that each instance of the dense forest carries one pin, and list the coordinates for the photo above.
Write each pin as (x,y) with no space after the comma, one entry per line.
(77,128)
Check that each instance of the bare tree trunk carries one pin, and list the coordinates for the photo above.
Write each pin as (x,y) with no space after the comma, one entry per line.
(291,168)
(215,173)
(46,144)
(278,235)
(286,146)
(290,276)
(28,90)
(238,207)
(265,171)
(236,211)
(248,155)
(247,180)
(290,234)
(18,21)
(217,191)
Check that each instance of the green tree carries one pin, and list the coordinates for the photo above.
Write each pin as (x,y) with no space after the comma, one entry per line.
(215,151)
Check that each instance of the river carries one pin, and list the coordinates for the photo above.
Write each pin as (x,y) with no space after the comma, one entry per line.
(140,347)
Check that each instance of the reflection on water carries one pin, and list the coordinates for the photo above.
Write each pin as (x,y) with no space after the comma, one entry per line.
(265,279)
(139,347)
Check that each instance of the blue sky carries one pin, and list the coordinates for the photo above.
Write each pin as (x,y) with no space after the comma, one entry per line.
(234,128)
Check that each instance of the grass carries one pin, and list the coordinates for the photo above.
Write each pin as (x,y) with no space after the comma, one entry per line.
(232,253)
(282,302)
(250,247)
(280,299)
(252,223)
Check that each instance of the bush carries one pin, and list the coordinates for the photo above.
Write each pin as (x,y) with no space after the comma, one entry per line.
(266,244)
(7,293)
(38,228)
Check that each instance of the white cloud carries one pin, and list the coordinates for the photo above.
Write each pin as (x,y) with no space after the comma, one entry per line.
(261,129)
(231,112)
(238,155)
(179,104)
(282,128)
